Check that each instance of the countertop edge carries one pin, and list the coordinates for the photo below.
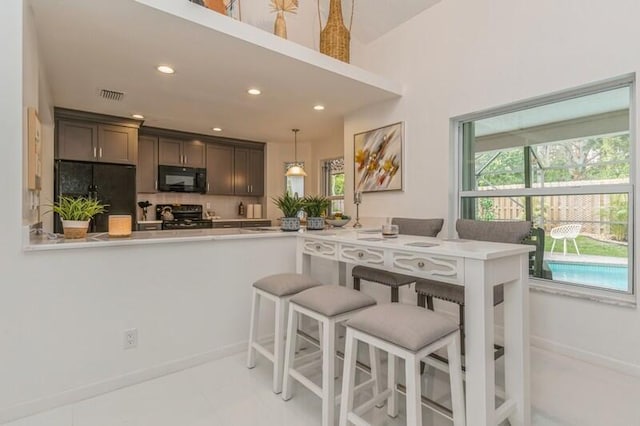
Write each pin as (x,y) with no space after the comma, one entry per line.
(120,242)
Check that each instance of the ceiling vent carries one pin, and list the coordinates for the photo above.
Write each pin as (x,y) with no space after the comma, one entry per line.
(111,95)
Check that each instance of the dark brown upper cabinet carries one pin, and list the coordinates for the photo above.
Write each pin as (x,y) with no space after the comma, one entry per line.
(84,136)
(219,169)
(175,152)
(249,171)
(147,170)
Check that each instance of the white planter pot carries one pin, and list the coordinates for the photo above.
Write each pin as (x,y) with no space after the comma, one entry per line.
(315,223)
(290,223)
(75,228)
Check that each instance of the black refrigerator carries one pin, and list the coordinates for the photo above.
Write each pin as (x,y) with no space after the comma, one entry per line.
(112,184)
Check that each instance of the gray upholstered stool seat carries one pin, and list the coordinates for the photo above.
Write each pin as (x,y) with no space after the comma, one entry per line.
(278,288)
(409,333)
(409,226)
(332,300)
(330,305)
(390,279)
(451,292)
(286,284)
(410,327)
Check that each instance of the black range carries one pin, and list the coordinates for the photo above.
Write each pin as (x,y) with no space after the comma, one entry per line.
(182,216)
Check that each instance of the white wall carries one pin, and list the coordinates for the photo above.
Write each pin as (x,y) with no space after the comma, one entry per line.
(463,56)
(63,313)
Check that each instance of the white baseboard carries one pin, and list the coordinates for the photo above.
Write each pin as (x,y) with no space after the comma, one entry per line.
(586,356)
(92,390)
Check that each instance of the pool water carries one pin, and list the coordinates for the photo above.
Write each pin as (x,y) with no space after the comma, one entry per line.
(615,277)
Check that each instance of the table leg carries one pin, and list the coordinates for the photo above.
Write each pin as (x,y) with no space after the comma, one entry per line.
(516,336)
(480,373)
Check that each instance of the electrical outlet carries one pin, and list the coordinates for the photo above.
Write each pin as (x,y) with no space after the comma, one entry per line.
(131,338)
(208,206)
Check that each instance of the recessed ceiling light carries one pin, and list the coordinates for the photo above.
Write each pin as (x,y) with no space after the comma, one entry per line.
(254,91)
(165,69)
(217,129)
(138,116)
(319,107)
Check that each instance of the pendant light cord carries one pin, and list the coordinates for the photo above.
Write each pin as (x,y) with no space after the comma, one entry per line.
(295,145)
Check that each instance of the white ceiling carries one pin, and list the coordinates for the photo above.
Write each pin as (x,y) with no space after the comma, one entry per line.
(94,44)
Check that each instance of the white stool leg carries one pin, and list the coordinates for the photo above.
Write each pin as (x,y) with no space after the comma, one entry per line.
(278,345)
(253,329)
(455,377)
(392,402)
(576,246)
(374,361)
(328,372)
(290,353)
(553,244)
(564,245)
(348,377)
(414,391)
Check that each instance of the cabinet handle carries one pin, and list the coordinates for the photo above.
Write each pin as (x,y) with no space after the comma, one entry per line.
(360,254)
(318,247)
(208,186)
(248,190)
(156,185)
(95,152)
(185,159)
(421,264)
(100,151)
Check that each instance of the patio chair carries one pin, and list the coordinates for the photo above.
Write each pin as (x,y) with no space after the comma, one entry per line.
(564,233)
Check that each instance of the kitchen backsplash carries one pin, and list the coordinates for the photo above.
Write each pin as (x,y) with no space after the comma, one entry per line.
(224,206)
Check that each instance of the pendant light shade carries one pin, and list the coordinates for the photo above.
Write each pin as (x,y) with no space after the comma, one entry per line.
(296,169)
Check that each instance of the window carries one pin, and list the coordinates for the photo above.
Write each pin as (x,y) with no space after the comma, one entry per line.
(294,185)
(564,163)
(333,179)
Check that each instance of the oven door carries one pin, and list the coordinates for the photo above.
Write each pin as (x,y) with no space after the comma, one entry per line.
(182,179)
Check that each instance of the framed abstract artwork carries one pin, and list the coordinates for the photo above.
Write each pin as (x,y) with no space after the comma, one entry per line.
(378,159)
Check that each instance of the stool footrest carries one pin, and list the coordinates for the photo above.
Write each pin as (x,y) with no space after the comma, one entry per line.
(306,382)
(263,351)
(382,396)
(429,403)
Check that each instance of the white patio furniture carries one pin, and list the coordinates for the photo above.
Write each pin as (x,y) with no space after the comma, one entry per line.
(564,233)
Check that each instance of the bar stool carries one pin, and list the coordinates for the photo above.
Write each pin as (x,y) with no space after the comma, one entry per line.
(278,288)
(406,332)
(329,305)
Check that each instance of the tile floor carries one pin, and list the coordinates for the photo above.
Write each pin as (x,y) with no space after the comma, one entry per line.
(225,392)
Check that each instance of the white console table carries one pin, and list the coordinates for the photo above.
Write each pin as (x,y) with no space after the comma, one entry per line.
(476,265)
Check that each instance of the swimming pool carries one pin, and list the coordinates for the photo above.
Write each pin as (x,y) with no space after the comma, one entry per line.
(613,277)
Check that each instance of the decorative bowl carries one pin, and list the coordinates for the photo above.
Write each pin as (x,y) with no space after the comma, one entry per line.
(337,222)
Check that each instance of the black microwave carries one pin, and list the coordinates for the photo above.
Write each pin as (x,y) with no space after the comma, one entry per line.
(182,179)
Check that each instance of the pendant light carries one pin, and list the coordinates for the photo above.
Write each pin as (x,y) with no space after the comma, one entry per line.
(296,169)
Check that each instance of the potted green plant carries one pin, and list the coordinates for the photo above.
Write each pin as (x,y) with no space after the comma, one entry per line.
(75,214)
(315,206)
(290,206)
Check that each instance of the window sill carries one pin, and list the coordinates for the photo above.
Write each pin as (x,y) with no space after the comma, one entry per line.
(600,296)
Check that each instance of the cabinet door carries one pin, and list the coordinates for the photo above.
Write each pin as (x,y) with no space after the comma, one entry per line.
(117,144)
(240,171)
(77,140)
(219,169)
(194,154)
(170,152)
(147,170)
(256,172)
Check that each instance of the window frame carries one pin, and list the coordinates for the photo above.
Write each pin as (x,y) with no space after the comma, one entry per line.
(627,298)
(326,182)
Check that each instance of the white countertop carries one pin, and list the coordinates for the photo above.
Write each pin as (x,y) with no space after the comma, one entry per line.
(471,249)
(57,242)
